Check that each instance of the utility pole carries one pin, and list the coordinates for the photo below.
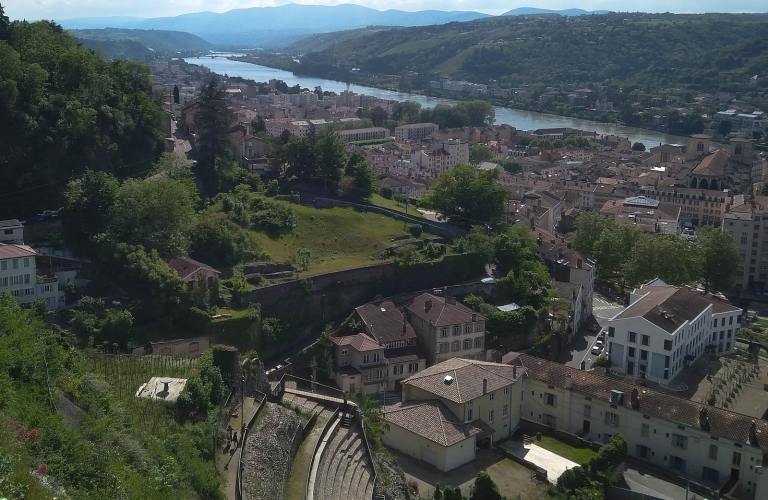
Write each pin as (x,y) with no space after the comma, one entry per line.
(314,372)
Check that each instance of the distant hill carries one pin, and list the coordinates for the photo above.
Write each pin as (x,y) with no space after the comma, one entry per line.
(138,45)
(322,41)
(527,11)
(275,26)
(649,51)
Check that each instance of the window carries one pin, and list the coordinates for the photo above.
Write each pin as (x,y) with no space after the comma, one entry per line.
(490,417)
(632,336)
(730,320)
(611,419)
(644,355)
(379,374)
(713,451)
(630,352)
(679,441)
(455,345)
(467,344)
(588,411)
(479,342)
(368,376)
(26,261)
(505,411)
(366,359)
(736,458)
(667,345)
(478,327)
(492,397)
(443,332)
(344,352)
(457,330)
(469,414)
(676,463)
(4,281)
(15,263)
(3,265)
(645,339)
(468,328)
(548,420)
(443,347)
(413,367)
(645,430)
(506,391)
(642,451)
(397,369)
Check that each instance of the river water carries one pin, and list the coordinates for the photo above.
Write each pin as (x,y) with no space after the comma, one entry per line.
(523,120)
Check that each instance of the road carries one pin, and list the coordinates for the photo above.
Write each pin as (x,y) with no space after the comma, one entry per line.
(603,309)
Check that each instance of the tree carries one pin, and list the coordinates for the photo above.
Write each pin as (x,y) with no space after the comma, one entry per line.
(408,112)
(176,94)
(213,141)
(330,154)
(156,213)
(724,127)
(638,146)
(589,227)
(479,153)
(485,488)
(719,258)
(4,24)
(469,196)
(452,493)
(87,210)
(362,177)
(511,166)
(299,154)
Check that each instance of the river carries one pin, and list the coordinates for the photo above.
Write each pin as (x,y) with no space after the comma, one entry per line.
(523,120)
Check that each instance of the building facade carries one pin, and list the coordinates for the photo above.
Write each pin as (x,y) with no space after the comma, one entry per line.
(415,131)
(18,276)
(666,328)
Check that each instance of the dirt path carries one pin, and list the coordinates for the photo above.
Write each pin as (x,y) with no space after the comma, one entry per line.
(229,457)
(298,482)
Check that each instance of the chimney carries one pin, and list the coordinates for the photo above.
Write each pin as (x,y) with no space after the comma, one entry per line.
(568,381)
(583,365)
(427,305)
(514,371)
(485,387)
(568,245)
(703,420)
(539,240)
(579,263)
(753,433)
(635,399)
(474,317)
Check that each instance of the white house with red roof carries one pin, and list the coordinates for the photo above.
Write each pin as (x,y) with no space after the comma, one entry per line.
(18,276)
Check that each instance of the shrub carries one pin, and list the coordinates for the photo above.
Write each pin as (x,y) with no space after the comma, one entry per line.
(416,231)
(386,192)
(602,361)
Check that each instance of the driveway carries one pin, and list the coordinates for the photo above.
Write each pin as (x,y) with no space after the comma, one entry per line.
(642,481)
(554,464)
(603,309)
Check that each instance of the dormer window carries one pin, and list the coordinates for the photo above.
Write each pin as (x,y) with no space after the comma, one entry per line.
(344,352)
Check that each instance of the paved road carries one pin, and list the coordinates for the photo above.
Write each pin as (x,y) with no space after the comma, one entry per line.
(642,481)
(602,309)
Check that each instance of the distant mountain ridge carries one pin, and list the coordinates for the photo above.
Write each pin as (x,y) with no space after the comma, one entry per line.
(126,43)
(275,26)
(527,11)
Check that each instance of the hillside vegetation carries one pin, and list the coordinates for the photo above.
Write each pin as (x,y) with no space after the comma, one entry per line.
(656,51)
(138,44)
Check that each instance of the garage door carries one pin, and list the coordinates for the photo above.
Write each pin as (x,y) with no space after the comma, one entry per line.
(429,456)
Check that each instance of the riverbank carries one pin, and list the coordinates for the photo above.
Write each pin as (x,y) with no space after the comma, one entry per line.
(520,119)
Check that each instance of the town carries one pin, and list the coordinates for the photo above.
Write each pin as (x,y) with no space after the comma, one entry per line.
(299,294)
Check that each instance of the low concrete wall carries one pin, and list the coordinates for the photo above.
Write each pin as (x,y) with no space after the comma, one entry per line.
(616,493)
(538,472)
(530,427)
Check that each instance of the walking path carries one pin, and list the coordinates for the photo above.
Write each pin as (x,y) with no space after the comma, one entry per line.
(554,464)
(229,458)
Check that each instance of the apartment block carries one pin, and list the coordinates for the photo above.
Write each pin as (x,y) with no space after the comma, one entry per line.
(415,131)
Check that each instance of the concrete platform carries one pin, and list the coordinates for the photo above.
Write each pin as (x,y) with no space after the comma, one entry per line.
(554,464)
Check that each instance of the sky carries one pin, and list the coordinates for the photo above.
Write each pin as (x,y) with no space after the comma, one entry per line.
(67,9)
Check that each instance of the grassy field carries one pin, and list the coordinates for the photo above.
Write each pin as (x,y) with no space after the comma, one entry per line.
(337,238)
(578,455)
(380,201)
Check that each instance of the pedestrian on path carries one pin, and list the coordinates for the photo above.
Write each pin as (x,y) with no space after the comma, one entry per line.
(234,438)
(229,433)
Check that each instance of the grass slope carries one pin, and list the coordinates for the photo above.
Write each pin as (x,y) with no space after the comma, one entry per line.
(338,238)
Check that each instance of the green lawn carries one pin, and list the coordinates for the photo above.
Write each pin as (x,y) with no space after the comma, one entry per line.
(578,455)
(762,322)
(380,201)
(337,238)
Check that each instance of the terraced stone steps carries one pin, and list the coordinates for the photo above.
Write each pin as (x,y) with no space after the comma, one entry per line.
(344,471)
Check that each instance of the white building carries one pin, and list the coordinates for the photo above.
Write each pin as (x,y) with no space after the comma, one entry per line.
(666,328)
(11,231)
(743,122)
(703,443)
(444,157)
(18,276)
(415,131)
(364,134)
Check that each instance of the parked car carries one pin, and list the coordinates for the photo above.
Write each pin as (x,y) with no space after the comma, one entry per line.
(597,348)
(601,336)
(594,328)
(487,280)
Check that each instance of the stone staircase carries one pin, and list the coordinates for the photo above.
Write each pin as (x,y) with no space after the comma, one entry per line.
(344,471)
(307,406)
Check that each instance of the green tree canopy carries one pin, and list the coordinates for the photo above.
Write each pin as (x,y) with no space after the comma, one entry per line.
(360,175)
(213,142)
(724,127)
(479,153)
(638,146)
(485,488)
(468,196)
(88,207)
(719,258)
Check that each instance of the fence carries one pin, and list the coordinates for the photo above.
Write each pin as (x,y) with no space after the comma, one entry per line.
(239,477)
(327,427)
(616,493)
(539,472)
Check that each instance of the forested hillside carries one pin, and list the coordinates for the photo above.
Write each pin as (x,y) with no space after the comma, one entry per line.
(701,52)
(65,110)
(138,44)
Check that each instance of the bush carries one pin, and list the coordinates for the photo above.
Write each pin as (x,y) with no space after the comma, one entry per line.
(602,361)
(386,192)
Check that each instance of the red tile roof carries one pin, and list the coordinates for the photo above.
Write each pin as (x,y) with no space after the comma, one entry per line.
(186,267)
(434,309)
(434,421)
(11,251)
(722,423)
(467,379)
(713,165)
(384,321)
(360,342)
